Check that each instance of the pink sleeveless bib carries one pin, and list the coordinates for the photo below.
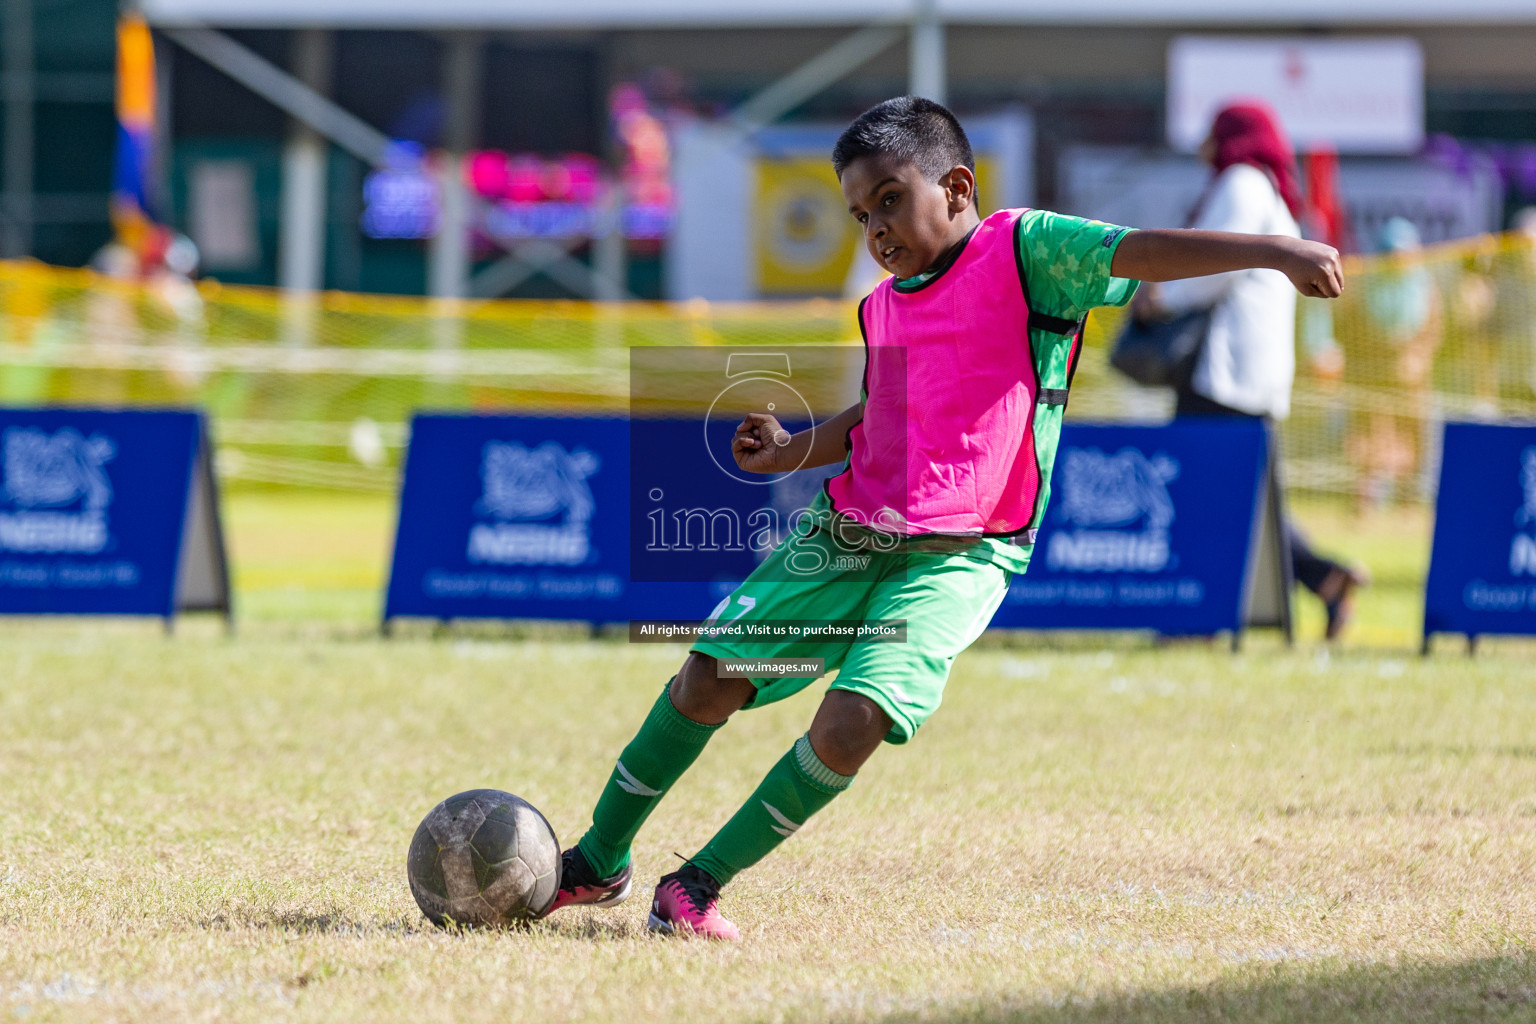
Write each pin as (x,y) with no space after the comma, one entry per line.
(946,444)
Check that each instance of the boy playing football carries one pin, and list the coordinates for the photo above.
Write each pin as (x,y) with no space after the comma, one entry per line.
(947,460)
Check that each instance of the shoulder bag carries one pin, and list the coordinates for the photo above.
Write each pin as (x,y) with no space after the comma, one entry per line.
(1161,353)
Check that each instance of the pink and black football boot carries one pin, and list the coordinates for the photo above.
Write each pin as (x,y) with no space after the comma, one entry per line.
(686,904)
(579,886)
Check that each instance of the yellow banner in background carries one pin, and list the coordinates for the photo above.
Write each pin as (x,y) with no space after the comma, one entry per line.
(804,240)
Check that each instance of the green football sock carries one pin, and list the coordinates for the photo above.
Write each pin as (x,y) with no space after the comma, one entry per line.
(793,790)
(667,743)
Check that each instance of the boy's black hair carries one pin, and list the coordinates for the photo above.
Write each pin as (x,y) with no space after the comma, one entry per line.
(911,129)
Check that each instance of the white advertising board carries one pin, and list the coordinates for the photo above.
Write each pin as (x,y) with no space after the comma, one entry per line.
(1355,95)
(1157,190)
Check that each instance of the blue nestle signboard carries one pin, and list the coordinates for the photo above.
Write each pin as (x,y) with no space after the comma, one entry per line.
(608,520)
(523,517)
(1482,571)
(1147,528)
(505,516)
(92,509)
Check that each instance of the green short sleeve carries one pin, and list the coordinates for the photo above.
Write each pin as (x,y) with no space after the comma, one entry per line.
(1066,263)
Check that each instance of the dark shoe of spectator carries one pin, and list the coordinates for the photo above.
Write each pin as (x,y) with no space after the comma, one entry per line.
(1338,596)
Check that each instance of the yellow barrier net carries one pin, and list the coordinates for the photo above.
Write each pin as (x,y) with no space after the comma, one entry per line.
(316,391)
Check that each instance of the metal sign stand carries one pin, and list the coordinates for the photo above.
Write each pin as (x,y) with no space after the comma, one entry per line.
(1268,580)
(202,572)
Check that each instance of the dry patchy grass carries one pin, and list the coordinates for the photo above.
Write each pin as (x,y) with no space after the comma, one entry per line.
(207,827)
(201,827)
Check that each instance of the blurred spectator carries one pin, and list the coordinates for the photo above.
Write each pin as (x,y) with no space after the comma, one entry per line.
(1495,297)
(164,259)
(1248,360)
(1404,316)
(165,263)
(1513,318)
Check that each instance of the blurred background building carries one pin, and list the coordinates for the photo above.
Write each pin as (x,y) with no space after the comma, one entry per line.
(677,148)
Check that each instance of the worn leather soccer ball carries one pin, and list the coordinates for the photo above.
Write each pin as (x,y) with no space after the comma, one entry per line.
(484,857)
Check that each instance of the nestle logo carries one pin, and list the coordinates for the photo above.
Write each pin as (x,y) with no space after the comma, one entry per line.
(539,503)
(1522,548)
(1120,508)
(59,490)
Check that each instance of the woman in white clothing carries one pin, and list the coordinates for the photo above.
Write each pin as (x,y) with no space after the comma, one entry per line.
(1248,361)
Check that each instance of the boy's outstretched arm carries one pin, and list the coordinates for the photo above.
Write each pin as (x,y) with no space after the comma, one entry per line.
(1169,255)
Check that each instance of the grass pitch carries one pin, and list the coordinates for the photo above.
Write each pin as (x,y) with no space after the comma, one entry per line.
(204,827)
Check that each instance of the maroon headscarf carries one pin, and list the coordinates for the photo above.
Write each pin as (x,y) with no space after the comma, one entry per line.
(1249,133)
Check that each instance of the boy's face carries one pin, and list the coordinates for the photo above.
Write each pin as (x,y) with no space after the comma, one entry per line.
(908,219)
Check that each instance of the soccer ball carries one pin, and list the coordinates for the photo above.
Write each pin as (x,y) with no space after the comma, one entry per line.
(484,858)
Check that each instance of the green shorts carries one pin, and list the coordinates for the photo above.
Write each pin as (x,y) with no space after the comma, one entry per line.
(947,598)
